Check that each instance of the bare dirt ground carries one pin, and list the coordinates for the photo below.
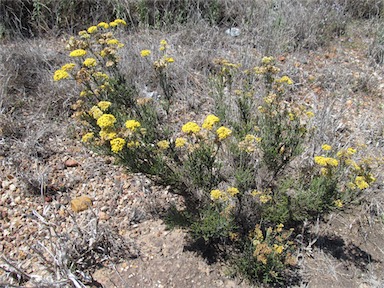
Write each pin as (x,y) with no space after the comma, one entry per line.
(344,250)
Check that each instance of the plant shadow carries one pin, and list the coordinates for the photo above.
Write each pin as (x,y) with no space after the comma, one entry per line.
(347,252)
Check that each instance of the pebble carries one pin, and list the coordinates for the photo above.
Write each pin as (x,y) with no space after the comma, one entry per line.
(17,200)
(71,163)
(103,216)
(5,184)
(12,187)
(81,203)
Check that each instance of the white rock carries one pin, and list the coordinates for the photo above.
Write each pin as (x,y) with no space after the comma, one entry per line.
(5,184)
(234,32)
(17,200)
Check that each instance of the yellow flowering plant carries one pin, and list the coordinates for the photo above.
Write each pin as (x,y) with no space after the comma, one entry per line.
(339,181)
(191,128)
(160,67)
(234,165)
(271,251)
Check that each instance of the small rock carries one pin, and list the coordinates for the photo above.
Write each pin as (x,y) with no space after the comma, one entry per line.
(61,212)
(81,203)
(71,163)
(5,184)
(48,198)
(17,200)
(22,255)
(104,208)
(103,216)
(12,187)
(234,32)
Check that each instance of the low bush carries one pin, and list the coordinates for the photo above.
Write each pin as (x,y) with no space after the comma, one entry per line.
(235,167)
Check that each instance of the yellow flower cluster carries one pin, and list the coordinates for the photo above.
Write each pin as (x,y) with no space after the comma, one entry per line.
(326,147)
(95,112)
(117,145)
(264,197)
(226,65)
(310,114)
(87,137)
(346,153)
(267,67)
(90,62)
(270,98)
(326,161)
(100,76)
(84,34)
(78,53)
(92,29)
(209,121)
(273,246)
(106,120)
(223,132)
(249,143)
(285,79)
(133,144)
(120,22)
(163,144)
(68,66)
(145,53)
(278,248)
(180,142)
(361,182)
(60,75)
(169,59)
(104,105)
(113,42)
(107,134)
(163,62)
(338,203)
(103,25)
(267,60)
(163,45)
(190,128)
(279,227)
(216,194)
(132,125)
(233,191)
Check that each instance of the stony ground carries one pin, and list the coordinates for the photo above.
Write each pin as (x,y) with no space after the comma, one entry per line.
(344,250)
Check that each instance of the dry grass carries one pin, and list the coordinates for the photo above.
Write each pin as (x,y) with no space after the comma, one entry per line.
(70,257)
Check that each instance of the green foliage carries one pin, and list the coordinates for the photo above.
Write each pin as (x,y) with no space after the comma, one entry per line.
(200,167)
(213,225)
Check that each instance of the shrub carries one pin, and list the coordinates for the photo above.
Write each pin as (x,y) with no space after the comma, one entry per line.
(235,167)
